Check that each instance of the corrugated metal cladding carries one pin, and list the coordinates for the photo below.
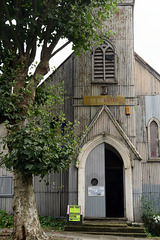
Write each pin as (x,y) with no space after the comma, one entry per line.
(52,199)
(137,190)
(152,104)
(151,183)
(6,186)
(95,202)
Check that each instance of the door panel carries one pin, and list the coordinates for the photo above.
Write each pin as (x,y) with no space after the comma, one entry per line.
(95,199)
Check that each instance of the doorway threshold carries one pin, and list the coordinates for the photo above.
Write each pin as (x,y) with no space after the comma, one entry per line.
(117,219)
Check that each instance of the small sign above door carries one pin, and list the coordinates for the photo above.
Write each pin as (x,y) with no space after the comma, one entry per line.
(94,191)
(103,100)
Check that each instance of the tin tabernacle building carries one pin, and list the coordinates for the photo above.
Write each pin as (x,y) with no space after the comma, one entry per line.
(116,94)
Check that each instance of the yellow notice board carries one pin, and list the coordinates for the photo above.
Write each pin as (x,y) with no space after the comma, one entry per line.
(74,213)
(103,100)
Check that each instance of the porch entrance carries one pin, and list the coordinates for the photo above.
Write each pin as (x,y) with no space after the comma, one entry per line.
(104,191)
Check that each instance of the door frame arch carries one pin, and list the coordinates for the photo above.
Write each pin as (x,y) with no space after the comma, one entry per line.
(125,155)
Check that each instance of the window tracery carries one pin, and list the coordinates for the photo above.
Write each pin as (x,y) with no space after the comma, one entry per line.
(104,63)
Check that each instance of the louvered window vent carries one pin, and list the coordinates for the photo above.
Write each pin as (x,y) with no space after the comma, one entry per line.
(104,64)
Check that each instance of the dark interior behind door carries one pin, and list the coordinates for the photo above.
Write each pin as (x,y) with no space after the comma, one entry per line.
(114,185)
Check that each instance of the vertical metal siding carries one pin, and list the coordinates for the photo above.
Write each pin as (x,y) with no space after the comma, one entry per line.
(152,104)
(146,82)
(151,182)
(52,199)
(137,190)
(73,185)
(6,186)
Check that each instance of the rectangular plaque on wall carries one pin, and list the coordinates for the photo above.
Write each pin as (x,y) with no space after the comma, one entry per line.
(103,100)
(94,191)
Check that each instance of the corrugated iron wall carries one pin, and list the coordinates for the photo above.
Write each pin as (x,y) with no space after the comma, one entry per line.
(52,198)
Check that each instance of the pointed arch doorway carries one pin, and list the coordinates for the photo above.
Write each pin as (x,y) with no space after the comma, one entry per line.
(105,146)
(104,191)
(114,178)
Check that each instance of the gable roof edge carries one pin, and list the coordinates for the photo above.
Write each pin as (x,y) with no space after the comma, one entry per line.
(123,134)
(147,66)
(118,127)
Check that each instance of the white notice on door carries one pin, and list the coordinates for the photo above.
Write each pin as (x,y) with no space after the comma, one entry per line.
(94,191)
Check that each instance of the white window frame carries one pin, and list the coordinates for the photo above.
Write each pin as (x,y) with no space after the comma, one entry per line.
(149,138)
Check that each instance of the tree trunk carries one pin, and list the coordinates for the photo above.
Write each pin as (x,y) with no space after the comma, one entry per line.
(26,220)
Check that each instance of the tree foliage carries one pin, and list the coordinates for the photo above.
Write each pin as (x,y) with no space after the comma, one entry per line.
(24,26)
(47,142)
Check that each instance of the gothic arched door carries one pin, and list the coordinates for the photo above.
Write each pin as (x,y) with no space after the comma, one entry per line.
(104,191)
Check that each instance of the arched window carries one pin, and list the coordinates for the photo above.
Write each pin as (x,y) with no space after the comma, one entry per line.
(104,63)
(153,138)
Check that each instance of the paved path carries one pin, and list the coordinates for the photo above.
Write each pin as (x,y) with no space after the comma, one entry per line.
(80,236)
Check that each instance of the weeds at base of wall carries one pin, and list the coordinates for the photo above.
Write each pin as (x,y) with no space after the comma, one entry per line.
(7,221)
(52,223)
(151,215)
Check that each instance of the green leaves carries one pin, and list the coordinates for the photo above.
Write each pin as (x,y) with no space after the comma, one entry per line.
(35,147)
(6,219)
(25,25)
(46,142)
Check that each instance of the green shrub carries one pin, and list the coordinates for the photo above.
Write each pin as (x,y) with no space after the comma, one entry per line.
(151,215)
(6,219)
(51,222)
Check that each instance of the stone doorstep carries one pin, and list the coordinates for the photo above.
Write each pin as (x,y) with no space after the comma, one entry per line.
(106,219)
(105,229)
(112,233)
(115,228)
(104,224)
(112,224)
(136,235)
